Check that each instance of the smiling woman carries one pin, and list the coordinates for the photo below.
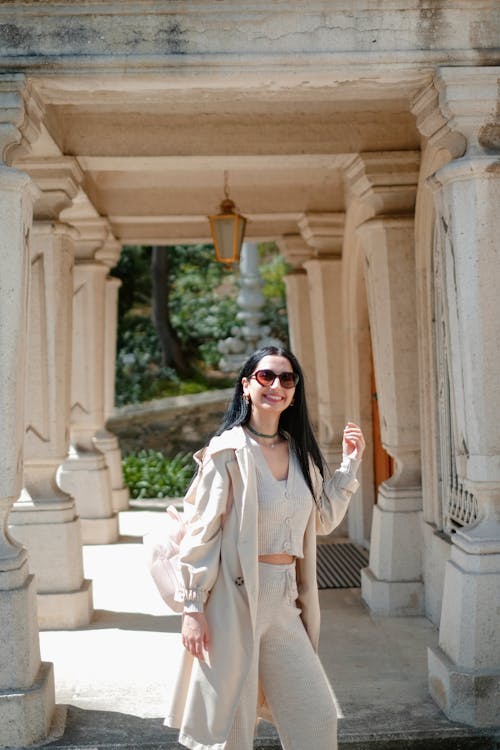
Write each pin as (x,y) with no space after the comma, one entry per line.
(248,567)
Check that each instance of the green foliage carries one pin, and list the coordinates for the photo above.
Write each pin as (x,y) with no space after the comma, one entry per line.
(150,473)
(202,301)
(275,311)
(203,311)
(140,375)
(134,271)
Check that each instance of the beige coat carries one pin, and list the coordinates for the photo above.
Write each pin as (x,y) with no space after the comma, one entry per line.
(220,550)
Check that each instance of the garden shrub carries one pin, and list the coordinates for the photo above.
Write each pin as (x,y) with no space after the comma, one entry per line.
(150,474)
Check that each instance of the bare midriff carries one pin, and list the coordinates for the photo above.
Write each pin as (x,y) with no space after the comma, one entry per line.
(277,559)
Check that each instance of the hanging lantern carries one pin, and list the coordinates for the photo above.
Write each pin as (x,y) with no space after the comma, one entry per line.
(228,229)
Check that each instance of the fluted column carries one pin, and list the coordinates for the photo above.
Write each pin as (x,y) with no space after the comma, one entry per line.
(296,251)
(323,232)
(85,474)
(26,684)
(383,186)
(464,671)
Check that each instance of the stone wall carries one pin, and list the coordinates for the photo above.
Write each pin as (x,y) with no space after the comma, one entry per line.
(180,423)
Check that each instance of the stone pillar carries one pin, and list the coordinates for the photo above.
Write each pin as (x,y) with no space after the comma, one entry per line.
(27,695)
(44,519)
(393,582)
(296,251)
(104,440)
(324,233)
(439,146)
(464,671)
(382,189)
(85,474)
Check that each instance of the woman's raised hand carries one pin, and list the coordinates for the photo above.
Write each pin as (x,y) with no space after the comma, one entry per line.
(195,634)
(353,443)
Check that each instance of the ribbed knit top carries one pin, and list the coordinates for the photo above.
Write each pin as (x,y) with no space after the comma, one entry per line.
(284,506)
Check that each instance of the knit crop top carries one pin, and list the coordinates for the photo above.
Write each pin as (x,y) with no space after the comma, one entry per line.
(284,506)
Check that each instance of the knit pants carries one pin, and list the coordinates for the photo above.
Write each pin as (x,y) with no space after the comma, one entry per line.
(293,680)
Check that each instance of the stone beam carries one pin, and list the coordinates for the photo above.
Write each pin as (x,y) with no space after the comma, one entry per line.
(242,35)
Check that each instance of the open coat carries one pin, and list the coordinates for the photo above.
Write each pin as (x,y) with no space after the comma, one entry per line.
(217,553)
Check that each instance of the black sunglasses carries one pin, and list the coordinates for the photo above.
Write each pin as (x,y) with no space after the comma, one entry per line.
(267,377)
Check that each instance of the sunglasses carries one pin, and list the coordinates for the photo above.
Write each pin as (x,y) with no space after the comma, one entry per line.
(267,377)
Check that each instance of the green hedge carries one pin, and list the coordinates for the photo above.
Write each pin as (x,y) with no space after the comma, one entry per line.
(149,473)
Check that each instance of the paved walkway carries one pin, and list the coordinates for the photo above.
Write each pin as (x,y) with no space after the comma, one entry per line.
(112,678)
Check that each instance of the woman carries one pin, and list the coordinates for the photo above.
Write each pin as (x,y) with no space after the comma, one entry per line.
(248,562)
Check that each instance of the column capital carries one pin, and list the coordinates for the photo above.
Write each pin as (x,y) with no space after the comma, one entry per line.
(109,253)
(294,249)
(433,125)
(21,112)
(323,232)
(385,181)
(58,179)
(93,230)
(469,99)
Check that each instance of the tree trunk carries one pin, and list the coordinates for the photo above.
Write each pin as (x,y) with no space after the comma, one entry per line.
(172,354)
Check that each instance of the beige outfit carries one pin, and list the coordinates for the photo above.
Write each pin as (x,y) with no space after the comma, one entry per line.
(220,557)
(296,688)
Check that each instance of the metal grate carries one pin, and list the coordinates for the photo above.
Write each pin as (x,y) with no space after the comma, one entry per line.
(339,566)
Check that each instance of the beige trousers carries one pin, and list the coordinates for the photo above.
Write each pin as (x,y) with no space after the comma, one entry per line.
(295,685)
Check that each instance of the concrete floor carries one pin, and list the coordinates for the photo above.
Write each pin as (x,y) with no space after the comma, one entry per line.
(113,677)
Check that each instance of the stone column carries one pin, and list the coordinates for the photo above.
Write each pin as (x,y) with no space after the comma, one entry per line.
(393,582)
(464,671)
(383,193)
(44,519)
(296,251)
(27,695)
(85,474)
(439,146)
(104,440)
(324,233)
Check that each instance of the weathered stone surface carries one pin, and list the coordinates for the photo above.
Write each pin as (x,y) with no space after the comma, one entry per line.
(170,425)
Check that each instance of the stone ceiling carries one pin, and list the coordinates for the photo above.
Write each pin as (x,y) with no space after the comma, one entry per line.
(157,100)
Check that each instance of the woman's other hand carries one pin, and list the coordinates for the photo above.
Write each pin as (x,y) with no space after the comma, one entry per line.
(353,443)
(195,634)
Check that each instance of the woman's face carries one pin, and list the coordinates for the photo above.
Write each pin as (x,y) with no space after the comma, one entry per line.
(272,398)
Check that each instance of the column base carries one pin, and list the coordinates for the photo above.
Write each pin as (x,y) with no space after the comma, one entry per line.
(65,610)
(100,530)
(85,476)
(120,497)
(108,444)
(392,598)
(468,696)
(26,715)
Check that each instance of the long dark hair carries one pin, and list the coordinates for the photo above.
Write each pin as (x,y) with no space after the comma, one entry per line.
(294,421)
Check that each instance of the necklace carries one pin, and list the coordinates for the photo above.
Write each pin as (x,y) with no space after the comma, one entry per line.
(261,434)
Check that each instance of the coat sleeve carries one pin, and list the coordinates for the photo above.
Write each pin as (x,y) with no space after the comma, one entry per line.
(199,554)
(334,495)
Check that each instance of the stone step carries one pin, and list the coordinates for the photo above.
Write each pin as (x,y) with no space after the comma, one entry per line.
(110,730)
